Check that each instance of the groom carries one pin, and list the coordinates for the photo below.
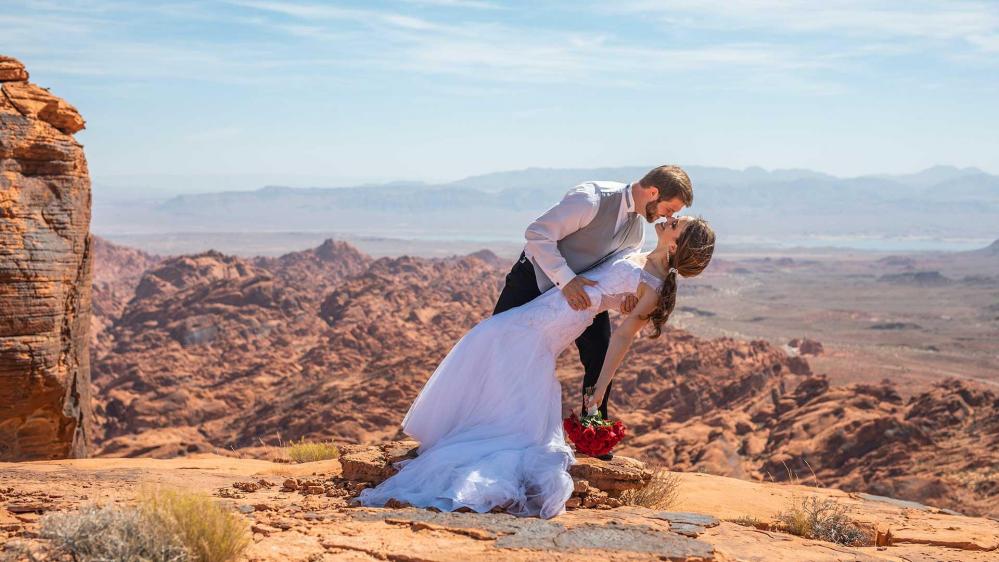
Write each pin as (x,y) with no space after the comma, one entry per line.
(593,220)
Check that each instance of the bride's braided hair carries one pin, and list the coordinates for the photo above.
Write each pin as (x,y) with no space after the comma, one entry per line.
(694,249)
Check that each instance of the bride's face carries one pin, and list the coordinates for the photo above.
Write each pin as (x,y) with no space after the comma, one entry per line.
(669,230)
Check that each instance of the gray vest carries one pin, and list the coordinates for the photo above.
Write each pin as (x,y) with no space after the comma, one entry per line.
(589,246)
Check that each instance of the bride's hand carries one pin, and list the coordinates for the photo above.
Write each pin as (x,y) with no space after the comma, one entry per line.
(590,406)
(628,304)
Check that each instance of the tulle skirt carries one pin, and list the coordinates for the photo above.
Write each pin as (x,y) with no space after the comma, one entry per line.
(489,423)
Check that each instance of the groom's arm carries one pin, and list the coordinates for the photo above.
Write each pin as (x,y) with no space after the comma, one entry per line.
(572,213)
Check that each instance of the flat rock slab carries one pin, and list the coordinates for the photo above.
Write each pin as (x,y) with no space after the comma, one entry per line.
(681,517)
(544,534)
(668,546)
(906,503)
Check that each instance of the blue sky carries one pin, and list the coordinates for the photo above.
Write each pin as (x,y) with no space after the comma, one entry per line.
(343,92)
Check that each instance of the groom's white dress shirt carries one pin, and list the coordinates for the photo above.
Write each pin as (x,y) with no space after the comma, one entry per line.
(576,210)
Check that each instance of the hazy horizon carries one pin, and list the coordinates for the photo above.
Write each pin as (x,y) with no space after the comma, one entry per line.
(168,185)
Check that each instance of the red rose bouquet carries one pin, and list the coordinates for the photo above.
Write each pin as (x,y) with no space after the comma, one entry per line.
(593,435)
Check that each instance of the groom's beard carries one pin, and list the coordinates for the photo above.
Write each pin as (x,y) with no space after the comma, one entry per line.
(650,211)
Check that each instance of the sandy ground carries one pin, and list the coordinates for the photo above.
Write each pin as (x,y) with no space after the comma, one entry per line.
(291,526)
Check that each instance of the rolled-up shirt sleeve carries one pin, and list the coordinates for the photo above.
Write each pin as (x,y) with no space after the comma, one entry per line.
(573,212)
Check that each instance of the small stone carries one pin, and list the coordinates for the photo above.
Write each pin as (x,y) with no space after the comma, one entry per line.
(573,503)
(246,486)
(686,529)
(244,508)
(263,529)
(27,507)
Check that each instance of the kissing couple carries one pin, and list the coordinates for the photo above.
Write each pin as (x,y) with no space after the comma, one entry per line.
(489,419)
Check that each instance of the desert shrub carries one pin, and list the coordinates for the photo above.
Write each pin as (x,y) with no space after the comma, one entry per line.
(305,451)
(209,531)
(102,533)
(661,492)
(825,520)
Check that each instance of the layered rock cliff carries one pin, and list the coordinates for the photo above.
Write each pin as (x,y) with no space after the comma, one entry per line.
(45,273)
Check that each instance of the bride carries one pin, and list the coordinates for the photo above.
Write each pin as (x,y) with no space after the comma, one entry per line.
(489,419)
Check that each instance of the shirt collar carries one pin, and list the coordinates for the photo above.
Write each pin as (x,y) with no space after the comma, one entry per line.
(629,203)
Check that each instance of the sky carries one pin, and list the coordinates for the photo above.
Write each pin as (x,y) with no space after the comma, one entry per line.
(338,93)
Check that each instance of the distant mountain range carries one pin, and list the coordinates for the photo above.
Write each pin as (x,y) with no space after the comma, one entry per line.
(750,206)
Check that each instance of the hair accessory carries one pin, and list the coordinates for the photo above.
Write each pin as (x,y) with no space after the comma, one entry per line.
(673,270)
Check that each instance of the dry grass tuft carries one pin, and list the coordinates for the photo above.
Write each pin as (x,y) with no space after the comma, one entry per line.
(825,520)
(749,521)
(304,451)
(210,532)
(100,533)
(661,492)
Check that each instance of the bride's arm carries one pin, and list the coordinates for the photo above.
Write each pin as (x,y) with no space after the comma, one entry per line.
(622,337)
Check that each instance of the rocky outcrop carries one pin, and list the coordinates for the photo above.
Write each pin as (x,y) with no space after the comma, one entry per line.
(203,339)
(45,273)
(117,271)
(940,448)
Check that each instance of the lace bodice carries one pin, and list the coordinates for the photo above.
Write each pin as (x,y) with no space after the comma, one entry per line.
(613,301)
(559,324)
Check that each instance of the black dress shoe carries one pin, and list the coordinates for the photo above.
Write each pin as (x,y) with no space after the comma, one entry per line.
(606,456)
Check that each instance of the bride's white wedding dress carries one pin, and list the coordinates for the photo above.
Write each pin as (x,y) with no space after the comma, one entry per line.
(489,419)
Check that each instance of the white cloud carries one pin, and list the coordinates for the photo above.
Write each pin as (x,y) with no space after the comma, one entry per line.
(474,4)
(882,20)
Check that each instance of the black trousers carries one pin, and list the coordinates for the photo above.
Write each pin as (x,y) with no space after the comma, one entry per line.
(522,287)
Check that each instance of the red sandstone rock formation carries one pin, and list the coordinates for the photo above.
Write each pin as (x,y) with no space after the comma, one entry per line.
(117,271)
(939,448)
(204,340)
(45,264)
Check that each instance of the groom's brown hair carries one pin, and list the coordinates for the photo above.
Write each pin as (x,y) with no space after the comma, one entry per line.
(672,182)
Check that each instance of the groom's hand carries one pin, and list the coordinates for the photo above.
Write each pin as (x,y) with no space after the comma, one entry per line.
(574,293)
(628,304)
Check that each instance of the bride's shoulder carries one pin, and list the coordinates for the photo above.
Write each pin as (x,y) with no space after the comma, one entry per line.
(632,260)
